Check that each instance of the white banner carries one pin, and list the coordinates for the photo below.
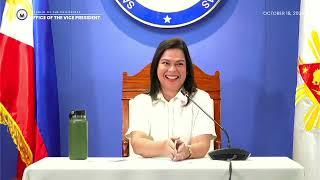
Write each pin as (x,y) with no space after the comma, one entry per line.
(306,146)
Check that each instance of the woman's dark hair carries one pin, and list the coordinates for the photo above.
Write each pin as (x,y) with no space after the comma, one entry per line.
(189,84)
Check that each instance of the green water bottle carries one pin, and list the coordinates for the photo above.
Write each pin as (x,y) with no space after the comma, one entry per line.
(78,135)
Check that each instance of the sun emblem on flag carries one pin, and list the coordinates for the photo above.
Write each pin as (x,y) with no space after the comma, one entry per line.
(310,89)
(16,5)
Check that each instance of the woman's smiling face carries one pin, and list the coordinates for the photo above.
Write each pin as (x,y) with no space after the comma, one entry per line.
(172,70)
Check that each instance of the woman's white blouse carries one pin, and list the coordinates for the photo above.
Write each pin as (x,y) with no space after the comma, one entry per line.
(161,119)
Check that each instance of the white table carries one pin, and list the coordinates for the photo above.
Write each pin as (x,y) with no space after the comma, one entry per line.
(255,168)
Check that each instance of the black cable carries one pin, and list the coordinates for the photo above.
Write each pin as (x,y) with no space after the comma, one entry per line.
(230,165)
(230,170)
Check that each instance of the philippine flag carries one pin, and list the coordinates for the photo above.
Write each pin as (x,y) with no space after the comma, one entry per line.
(28,85)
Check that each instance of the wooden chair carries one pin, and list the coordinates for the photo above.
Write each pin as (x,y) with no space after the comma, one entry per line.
(139,83)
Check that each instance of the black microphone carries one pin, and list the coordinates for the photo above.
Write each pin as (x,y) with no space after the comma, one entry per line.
(224,154)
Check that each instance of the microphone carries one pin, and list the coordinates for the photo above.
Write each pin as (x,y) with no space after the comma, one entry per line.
(225,154)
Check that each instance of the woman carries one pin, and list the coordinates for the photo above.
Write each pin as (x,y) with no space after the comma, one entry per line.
(163,122)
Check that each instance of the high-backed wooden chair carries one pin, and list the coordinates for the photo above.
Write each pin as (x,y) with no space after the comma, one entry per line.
(139,83)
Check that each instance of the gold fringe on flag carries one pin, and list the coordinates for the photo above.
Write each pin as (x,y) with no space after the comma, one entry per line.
(16,134)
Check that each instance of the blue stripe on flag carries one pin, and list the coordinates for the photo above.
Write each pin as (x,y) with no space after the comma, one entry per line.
(46,82)
(2,4)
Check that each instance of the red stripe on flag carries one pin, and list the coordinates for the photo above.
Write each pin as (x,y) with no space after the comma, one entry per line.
(17,94)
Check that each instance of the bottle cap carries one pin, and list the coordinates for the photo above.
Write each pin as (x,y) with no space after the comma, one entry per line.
(75,113)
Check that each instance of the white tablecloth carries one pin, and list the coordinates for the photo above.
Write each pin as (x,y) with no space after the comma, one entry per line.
(255,168)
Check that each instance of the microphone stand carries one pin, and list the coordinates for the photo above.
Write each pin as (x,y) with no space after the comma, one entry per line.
(225,154)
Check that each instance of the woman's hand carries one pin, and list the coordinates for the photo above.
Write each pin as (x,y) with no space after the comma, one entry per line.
(183,151)
(169,148)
